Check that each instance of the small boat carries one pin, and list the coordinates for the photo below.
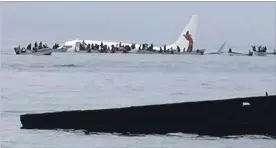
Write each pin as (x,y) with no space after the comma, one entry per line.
(271,53)
(231,53)
(260,52)
(239,54)
(196,52)
(61,49)
(23,51)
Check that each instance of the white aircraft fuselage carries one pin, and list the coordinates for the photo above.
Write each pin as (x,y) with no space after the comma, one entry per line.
(183,41)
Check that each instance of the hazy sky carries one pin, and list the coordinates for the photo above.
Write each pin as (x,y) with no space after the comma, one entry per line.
(238,23)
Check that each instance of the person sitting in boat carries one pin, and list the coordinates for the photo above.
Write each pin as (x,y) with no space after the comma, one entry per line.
(17,50)
(133,46)
(45,45)
(250,53)
(151,47)
(29,47)
(35,44)
(178,48)
(265,49)
(40,45)
(35,49)
(171,50)
(230,50)
(160,50)
(254,48)
(259,48)
(88,47)
(120,44)
(23,50)
(55,46)
(165,48)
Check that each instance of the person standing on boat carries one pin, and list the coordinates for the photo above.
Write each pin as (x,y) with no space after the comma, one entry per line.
(189,38)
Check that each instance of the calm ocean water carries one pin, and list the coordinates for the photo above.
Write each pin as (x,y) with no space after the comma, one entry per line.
(66,81)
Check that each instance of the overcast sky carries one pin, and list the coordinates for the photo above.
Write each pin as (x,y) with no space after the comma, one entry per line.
(239,23)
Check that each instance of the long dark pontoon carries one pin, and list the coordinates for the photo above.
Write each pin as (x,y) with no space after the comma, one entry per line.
(238,116)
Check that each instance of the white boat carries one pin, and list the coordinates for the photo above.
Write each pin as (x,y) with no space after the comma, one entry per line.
(61,48)
(44,51)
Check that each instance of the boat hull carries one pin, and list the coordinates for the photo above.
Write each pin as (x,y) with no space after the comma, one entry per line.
(214,118)
(271,53)
(238,54)
(46,51)
(60,50)
(260,53)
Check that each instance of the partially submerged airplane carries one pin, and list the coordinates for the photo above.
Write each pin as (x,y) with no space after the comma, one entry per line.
(185,41)
(220,50)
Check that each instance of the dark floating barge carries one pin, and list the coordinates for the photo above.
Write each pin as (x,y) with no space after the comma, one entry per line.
(238,116)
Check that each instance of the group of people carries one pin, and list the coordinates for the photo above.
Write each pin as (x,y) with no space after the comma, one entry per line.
(104,48)
(36,47)
(260,48)
(124,48)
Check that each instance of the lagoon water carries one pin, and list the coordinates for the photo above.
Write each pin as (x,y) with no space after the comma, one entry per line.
(67,81)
